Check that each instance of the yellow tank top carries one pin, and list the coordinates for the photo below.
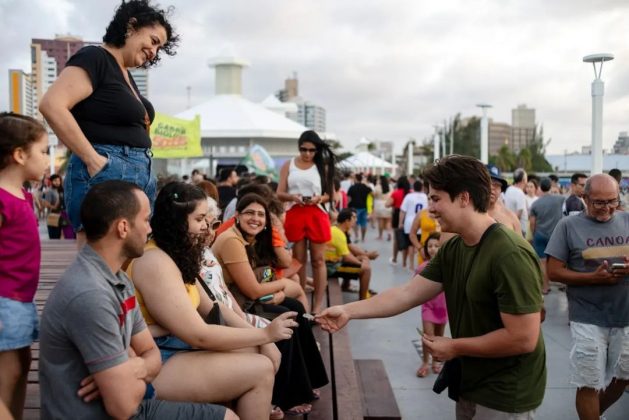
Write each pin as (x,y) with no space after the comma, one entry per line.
(427,225)
(191,289)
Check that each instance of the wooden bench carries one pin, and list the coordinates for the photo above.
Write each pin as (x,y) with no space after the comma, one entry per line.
(359,389)
(56,256)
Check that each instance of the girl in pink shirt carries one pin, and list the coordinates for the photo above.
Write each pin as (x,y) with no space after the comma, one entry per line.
(434,312)
(23,157)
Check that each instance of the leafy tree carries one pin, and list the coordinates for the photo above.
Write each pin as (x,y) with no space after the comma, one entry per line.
(537,149)
(504,160)
(466,136)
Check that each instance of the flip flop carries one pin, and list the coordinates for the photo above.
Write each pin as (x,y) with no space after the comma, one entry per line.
(299,410)
(423,371)
(276,413)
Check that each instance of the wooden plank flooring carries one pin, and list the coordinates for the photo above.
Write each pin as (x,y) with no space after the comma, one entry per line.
(56,256)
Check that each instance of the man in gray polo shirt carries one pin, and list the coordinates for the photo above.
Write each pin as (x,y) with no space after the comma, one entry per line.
(97,357)
(583,252)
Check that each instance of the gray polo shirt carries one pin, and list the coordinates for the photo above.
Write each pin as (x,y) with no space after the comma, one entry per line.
(86,327)
(583,244)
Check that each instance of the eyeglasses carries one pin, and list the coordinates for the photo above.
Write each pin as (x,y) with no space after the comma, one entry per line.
(307,150)
(214,224)
(601,204)
(251,213)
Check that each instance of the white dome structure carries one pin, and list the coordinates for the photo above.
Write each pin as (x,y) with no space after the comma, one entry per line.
(231,124)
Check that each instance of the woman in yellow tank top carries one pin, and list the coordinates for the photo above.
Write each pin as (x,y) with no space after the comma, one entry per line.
(427,225)
(199,363)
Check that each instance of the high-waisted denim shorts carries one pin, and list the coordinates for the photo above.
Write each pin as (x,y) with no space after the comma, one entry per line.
(132,164)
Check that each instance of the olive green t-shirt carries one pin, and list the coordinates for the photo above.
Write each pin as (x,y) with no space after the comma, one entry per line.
(505,277)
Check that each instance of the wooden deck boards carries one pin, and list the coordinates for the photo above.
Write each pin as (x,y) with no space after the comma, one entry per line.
(56,256)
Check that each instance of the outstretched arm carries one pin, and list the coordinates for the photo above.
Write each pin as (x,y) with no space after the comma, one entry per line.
(388,303)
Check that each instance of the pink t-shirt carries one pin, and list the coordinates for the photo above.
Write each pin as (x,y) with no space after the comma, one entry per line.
(20,249)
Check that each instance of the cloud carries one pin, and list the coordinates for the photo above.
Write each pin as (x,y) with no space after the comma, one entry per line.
(387,70)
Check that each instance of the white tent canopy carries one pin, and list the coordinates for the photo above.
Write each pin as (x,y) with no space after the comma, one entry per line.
(229,116)
(366,162)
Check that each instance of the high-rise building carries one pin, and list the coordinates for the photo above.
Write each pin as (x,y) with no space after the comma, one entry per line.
(43,74)
(499,135)
(522,127)
(141,78)
(20,93)
(61,48)
(291,87)
(308,113)
(621,146)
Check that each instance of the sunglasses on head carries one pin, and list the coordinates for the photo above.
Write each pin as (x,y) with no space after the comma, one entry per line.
(214,224)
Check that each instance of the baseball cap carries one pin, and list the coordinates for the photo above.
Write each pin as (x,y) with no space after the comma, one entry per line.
(494,173)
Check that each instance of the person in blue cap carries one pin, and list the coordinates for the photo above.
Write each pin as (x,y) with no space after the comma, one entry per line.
(497,209)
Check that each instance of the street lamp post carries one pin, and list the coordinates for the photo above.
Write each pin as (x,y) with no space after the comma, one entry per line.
(484,134)
(598,90)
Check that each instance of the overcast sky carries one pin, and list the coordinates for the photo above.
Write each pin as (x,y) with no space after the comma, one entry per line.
(385,70)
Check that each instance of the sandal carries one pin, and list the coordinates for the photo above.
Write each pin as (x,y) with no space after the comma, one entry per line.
(276,413)
(423,371)
(299,410)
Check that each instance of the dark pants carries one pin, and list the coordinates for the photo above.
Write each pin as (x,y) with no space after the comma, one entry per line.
(302,368)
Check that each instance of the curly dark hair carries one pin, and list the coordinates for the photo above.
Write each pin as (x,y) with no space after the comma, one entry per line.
(139,14)
(261,252)
(170,227)
(17,131)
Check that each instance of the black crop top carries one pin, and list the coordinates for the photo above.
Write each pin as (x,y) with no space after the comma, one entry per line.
(111,114)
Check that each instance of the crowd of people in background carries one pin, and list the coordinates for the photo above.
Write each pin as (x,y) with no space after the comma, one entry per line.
(233,243)
(189,298)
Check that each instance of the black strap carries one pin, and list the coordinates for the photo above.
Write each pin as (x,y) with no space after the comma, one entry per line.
(206,288)
(492,227)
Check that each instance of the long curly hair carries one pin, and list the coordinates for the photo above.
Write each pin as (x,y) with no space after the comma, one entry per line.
(139,14)
(261,252)
(324,159)
(170,227)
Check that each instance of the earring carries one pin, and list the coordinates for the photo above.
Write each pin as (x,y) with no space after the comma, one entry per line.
(237,221)
(264,228)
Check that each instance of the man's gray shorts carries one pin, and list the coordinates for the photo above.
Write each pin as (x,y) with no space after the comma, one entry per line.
(175,410)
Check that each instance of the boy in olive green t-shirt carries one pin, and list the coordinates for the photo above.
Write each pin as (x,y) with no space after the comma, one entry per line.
(496,322)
